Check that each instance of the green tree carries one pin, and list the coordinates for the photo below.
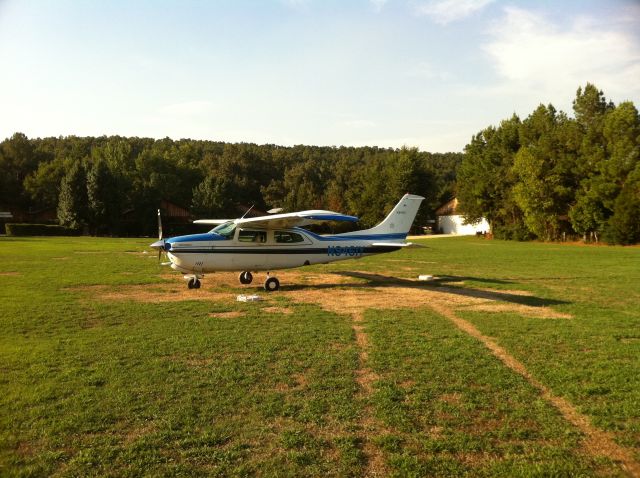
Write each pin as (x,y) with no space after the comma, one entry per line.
(485,180)
(624,224)
(103,198)
(43,184)
(544,169)
(212,199)
(72,203)
(17,161)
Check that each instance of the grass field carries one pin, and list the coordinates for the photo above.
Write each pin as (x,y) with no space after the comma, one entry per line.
(520,359)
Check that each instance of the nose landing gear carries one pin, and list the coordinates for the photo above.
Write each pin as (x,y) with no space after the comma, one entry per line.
(246,277)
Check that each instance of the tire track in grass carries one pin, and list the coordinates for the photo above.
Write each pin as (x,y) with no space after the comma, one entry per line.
(365,376)
(597,442)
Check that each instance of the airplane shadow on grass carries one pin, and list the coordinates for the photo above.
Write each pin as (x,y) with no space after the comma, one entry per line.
(446,284)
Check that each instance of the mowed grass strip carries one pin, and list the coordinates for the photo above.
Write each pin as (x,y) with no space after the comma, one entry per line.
(591,359)
(450,408)
(124,388)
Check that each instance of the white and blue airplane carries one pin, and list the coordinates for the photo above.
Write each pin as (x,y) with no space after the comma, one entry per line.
(278,241)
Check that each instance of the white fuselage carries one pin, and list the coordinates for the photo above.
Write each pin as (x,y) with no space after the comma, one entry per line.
(255,249)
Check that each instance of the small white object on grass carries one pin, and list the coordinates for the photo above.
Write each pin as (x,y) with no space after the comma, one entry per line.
(425,277)
(248,298)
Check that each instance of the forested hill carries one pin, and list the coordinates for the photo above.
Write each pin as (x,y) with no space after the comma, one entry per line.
(113,185)
(552,176)
(549,176)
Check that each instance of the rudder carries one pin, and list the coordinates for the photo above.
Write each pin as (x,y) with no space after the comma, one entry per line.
(401,217)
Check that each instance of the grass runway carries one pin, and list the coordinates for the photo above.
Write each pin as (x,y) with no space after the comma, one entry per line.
(519,359)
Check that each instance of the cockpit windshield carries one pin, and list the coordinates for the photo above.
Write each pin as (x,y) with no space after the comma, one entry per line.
(225,230)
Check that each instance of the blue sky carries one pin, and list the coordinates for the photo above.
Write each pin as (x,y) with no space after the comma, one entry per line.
(425,73)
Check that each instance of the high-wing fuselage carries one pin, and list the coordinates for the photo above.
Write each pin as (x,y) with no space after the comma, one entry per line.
(255,249)
(270,243)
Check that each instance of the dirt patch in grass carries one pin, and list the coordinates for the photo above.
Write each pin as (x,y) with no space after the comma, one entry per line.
(278,310)
(452,398)
(10,274)
(539,312)
(152,293)
(199,361)
(234,314)
(356,299)
(137,433)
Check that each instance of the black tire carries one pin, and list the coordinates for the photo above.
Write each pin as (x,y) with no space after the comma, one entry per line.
(197,284)
(246,277)
(192,283)
(271,284)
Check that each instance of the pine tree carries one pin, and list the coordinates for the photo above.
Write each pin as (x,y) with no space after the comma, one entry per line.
(101,196)
(72,203)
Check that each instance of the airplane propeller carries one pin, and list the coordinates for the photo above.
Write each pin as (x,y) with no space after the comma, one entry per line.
(160,243)
(160,234)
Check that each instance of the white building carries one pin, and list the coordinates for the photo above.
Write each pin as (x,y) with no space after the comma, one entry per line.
(451,223)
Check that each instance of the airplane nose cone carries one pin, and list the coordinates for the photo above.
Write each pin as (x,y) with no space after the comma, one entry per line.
(159,245)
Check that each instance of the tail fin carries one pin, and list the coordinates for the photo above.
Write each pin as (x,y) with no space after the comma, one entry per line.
(400,218)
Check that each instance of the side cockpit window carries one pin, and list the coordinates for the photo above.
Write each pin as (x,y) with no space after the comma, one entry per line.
(225,230)
(252,236)
(287,237)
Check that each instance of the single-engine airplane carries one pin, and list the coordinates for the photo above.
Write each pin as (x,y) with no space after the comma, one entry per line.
(277,241)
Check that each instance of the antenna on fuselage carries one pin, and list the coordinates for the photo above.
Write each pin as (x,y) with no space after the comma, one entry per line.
(247,211)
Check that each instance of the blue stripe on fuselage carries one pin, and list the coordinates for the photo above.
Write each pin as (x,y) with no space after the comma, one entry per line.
(207,236)
(356,237)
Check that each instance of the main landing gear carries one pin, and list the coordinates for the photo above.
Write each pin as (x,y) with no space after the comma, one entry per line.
(193,281)
(270,284)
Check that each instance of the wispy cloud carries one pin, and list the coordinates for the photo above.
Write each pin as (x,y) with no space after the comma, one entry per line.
(296,3)
(447,11)
(529,51)
(378,4)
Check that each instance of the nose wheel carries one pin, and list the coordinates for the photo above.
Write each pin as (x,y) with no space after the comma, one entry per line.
(193,283)
(245,277)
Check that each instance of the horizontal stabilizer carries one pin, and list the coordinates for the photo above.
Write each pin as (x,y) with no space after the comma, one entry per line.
(411,245)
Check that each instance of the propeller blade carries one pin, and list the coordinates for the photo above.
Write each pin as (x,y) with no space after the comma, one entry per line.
(159,225)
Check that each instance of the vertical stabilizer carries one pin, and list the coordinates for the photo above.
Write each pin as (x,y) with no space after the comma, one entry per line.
(400,219)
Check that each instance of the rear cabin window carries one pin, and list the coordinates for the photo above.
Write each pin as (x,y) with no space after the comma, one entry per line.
(252,236)
(284,237)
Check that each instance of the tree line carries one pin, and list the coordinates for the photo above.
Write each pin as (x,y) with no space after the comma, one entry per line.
(551,176)
(113,185)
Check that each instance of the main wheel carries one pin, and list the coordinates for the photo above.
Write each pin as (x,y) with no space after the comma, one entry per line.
(192,283)
(196,284)
(246,277)
(271,284)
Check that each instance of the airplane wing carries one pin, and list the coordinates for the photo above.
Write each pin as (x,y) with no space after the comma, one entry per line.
(294,219)
(212,221)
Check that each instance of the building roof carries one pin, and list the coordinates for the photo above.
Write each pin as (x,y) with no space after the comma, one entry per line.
(448,209)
